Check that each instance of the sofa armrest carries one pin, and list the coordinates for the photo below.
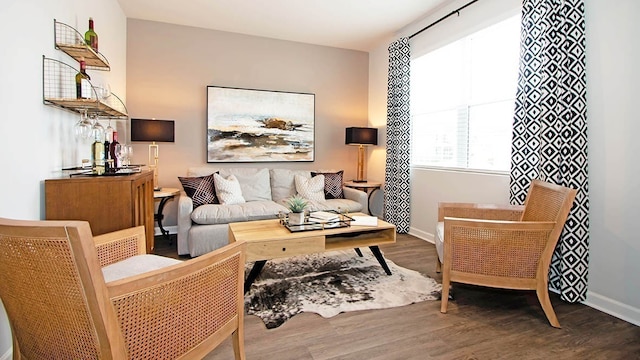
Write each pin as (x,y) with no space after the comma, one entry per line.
(185,208)
(357,195)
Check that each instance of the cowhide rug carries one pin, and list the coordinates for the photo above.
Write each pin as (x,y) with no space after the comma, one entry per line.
(331,283)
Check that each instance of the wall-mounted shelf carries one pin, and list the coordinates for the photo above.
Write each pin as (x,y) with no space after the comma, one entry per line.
(59,89)
(71,42)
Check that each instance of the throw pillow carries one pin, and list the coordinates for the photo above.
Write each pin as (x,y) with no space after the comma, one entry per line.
(228,190)
(310,189)
(200,189)
(332,184)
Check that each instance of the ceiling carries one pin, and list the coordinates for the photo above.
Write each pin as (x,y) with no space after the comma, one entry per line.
(350,24)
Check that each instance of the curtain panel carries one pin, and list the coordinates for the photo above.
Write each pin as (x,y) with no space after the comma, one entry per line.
(550,129)
(397,189)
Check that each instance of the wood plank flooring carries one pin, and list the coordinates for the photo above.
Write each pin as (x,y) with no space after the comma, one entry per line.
(481,323)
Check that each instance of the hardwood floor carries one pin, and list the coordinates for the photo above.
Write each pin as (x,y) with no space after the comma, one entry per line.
(481,323)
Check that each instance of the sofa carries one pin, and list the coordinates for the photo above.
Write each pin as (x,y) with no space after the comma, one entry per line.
(212,198)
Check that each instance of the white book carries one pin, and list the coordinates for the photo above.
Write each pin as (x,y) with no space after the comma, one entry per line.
(324,215)
(364,221)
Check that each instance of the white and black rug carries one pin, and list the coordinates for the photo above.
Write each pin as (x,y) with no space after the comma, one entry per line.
(331,283)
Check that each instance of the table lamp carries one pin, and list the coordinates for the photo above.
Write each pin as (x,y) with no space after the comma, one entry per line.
(361,136)
(155,131)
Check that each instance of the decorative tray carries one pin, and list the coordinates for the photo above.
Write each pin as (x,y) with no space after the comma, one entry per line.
(310,225)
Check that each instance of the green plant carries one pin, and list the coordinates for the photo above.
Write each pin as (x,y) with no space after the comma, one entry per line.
(296,203)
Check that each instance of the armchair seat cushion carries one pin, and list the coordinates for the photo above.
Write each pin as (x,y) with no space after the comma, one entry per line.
(136,265)
(439,240)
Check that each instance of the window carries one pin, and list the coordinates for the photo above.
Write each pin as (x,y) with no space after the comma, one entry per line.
(463,98)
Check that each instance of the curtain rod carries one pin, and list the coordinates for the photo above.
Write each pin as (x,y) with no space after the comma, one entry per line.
(456,11)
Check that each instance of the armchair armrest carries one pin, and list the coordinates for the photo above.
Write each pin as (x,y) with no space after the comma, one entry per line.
(119,245)
(172,299)
(493,250)
(479,211)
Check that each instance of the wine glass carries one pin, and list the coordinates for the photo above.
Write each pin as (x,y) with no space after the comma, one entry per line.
(82,128)
(108,132)
(97,130)
(120,151)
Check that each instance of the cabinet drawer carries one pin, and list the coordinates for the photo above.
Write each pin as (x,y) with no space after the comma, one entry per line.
(272,249)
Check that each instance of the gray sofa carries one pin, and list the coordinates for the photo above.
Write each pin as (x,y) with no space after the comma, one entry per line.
(205,228)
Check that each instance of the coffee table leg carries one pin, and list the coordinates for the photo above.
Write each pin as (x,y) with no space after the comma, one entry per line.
(376,252)
(253,274)
(358,252)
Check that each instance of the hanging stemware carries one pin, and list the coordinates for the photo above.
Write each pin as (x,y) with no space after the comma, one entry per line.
(82,128)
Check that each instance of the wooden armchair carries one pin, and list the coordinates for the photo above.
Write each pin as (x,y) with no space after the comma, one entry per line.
(60,307)
(505,246)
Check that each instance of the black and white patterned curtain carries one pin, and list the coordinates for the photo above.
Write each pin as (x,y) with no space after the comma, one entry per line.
(550,129)
(397,192)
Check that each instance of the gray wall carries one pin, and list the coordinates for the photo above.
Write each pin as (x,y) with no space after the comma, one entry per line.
(169,67)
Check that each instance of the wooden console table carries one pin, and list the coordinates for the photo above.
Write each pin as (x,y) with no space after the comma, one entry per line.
(108,203)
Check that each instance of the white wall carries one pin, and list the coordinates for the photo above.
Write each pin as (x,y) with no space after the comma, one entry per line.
(613,55)
(38,139)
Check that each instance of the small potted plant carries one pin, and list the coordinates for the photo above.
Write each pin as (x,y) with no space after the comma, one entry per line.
(296,205)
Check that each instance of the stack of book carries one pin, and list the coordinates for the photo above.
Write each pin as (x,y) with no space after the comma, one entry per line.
(323,217)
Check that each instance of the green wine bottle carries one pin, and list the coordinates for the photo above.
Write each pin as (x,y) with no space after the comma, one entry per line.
(90,37)
(83,87)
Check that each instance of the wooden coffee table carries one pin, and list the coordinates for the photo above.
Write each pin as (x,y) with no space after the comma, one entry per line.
(268,239)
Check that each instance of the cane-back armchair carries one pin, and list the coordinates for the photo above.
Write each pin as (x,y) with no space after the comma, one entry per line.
(70,295)
(504,246)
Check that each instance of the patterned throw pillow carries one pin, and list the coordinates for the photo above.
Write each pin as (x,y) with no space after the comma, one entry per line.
(228,190)
(310,189)
(200,189)
(332,184)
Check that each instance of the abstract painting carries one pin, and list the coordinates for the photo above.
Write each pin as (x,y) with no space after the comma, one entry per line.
(246,125)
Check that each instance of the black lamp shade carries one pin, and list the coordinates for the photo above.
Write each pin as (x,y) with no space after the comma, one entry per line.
(152,130)
(361,136)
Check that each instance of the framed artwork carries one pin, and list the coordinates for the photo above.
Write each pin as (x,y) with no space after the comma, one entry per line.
(245,125)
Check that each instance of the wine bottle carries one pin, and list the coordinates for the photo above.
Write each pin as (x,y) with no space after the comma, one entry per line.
(112,150)
(97,156)
(90,37)
(83,87)
(107,163)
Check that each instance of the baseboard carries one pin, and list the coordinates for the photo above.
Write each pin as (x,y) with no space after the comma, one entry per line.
(613,307)
(156,231)
(422,235)
(8,355)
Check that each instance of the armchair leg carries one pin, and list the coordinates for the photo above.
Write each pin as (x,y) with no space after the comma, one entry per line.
(438,266)
(543,297)
(238,344)
(444,298)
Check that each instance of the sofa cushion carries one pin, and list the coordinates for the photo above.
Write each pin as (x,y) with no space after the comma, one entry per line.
(332,184)
(310,189)
(200,189)
(283,184)
(228,190)
(255,183)
(223,214)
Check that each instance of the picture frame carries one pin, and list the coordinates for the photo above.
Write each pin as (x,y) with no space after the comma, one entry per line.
(251,125)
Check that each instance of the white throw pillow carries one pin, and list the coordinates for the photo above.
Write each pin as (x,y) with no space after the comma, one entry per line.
(311,189)
(254,183)
(228,190)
